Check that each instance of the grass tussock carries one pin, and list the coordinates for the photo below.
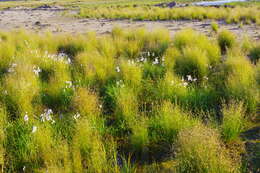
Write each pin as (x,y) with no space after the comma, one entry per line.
(226,40)
(132,101)
(233,120)
(202,151)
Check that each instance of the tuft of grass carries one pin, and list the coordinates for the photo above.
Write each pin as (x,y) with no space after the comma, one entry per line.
(3,121)
(226,40)
(214,27)
(22,86)
(201,151)
(131,72)
(126,104)
(233,121)
(190,38)
(254,53)
(96,67)
(240,82)
(86,102)
(169,121)
(88,150)
(192,62)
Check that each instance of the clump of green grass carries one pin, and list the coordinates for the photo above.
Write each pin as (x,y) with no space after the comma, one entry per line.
(214,26)
(3,121)
(139,138)
(171,87)
(126,104)
(226,40)
(258,72)
(201,151)
(22,85)
(131,72)
(192,62)
(19,146)
(86,102)
(169,121)
(190,38)
(254,53)
(233,121)
(88,150)
(240,81)
(96,67)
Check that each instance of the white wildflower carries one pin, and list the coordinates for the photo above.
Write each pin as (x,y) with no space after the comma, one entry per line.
(189,77)
(156,61)
(206,78)
(68,84)
(34,129)
(46,116)
(26,117)
(76,116)
(185,84)
(36,70)
(117,69)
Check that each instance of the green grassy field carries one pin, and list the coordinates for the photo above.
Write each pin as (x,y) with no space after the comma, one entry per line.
(131,101)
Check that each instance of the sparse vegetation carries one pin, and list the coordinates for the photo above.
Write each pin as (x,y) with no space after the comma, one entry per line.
(124,102)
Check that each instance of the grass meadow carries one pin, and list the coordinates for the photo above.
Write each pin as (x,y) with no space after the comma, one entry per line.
(131,101)
(238,14)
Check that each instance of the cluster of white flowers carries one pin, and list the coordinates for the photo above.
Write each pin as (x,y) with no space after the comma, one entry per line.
(156,61)
(151,55)
(36,70)
(46,116)
(62,57)
(141,59)
(12,68)
(26,117)
(76,116)
(189,77)
(34,129)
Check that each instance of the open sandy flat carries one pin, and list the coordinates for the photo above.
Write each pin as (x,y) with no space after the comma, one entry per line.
(54,20)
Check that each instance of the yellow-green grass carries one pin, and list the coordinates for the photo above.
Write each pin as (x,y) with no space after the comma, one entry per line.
(230,15)
(125,101)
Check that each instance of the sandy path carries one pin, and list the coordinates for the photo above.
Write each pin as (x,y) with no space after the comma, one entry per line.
(52,20)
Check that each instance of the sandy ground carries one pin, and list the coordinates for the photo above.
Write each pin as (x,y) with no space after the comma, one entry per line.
(41,20)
